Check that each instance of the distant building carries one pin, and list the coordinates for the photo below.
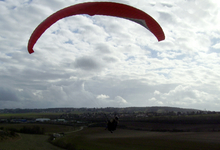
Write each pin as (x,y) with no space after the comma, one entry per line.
(19,120)
(61,120)
(42,119)
(141,115)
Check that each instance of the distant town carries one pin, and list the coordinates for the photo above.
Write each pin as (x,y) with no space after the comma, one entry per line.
(82,115)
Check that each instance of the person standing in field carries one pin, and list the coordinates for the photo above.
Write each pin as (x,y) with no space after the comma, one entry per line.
(112,124)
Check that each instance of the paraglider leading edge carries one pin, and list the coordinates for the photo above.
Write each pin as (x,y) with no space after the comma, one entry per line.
(99,8)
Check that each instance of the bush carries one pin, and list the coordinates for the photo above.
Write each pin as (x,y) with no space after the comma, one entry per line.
(4,135)
(32,130)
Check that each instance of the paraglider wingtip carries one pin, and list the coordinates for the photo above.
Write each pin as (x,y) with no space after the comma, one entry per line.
(30,50)
(161,39)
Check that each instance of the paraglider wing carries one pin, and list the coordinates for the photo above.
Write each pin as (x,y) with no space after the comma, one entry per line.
(99,8)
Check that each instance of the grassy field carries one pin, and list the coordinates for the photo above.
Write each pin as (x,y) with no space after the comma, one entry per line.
(48,128)
(99,139)
(28,142)
(171,126)
(96,138)
(33,142)
(29,115)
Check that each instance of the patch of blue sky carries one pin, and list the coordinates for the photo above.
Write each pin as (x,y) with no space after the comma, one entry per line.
(3,37)
(153,52)
(69,42)
(109,38)
(215,40)
(156,54)
(179,57)
(56,31)
(30,1)
(130,58)
(164,74)
(75,30)
(172,55)
(159,71)
(212,49)
(86,15)
(8,54)
(13,7)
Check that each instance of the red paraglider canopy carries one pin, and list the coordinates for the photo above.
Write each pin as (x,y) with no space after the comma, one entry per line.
(99,8)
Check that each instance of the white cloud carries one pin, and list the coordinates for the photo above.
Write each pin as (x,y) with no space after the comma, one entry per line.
(187,96)
(216,46)
(102,96)
(120,100)
(156,92)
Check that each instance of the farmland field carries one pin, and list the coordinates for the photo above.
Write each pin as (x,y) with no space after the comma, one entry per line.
(28,142)
(99,139)
(49,128)
(31,141)
(96,138)
(29,115)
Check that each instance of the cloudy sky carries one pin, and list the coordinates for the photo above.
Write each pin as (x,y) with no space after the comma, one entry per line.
(100,61)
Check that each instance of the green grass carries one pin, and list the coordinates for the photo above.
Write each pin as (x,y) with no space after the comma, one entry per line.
(48,128)
(155,144)
(29,115)
(33,142)
(99,139)
(28,142)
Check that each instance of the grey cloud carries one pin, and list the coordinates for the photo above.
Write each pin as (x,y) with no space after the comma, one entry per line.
(167,5)
(7,94)
(167,17)
(102,49)
(87,63)
(110,59)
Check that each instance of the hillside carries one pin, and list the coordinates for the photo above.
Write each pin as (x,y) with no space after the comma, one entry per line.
(155,109)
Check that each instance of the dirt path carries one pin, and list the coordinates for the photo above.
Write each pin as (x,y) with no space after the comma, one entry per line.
(81,128)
